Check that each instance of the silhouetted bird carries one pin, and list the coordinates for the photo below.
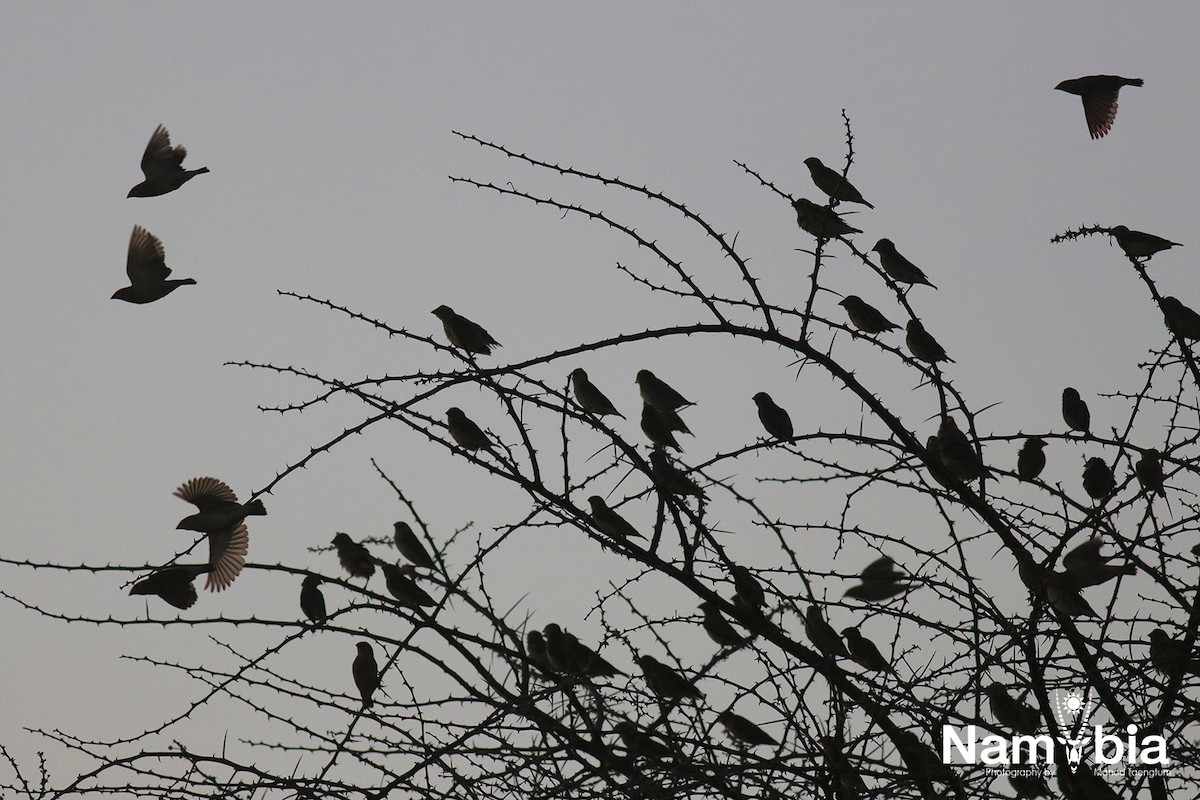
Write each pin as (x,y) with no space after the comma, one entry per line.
(1139,245)
(220,518)
(657,428)
(1180,319)
(666,682)
(589,397)
(1010,712)
(822,634)
(403,588)
(366,673)
(1098,480)
(312,600)
(718,628)
(1086,567)
(1099,95)
(657,393)
(832,183)
(747,586)
(958,453)
(609,522)
(821,221)
(775,420)
(742,730)
(668,478)
(146,266)
(569,656)
(354,557)
(463,333)
(922,344)
(864,652)
(640,744)
(879,580)
(410,546)
(1062,594)
(921,759)
(1075,411)
(535,648)
(866,317)
(899,268)
(1032,459)
(173,584)
(1149,472)
(1171,657)
(466,433)
(162,166)
(844,779)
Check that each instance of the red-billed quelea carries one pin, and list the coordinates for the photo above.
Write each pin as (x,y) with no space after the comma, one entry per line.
(640,744)
(1098,480)
(410,546)
(466,433)
(354,557)
(219,517)
(719,629)
(366,673)
(1075,411)
(864,652)
(535,649)
(822,634)
(173,584)
(571,657)
(146,266)
(1086,567)
(1180,319)
(866,317)
(821,221)
(1149,472)
(670,479)
(590,397)
(162,167)
(747,586)
(833,183)
(657,428)
(958,453)
(1099,95)
(666,682)
(899,268)
(463,333)
(312,600)
(406,591)
(1171,657)
(775,420)
(743,731)
(922,345)
(1032,458)
(1139,245)
(1010,712)
(609,522)
(656,392)
(879,580)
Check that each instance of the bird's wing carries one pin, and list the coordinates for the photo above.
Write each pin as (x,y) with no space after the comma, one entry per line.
(145,262)
(206,493)
(1100,109)
(159,158)
(226,556)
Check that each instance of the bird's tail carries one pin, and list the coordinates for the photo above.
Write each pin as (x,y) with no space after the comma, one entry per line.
(255,508)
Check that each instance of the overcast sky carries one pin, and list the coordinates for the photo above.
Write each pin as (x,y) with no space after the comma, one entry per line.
(327,127)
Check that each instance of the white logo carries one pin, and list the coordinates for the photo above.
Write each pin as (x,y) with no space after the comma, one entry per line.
(1072,710)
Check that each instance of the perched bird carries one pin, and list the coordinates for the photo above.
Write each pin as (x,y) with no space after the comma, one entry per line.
(146,266)
(1062,594)
(162,166)
(742,730)
(589,397)
(821,221)
(354,557)
(864,652)
(666,682)
(569,656)
(1075,411)
(718,628)
(1098,480)
(866,317)
(173,584)
(879,580)
(933,459)
(747,586)
(899,268)
(312,600)
(466,433)
(219,516)
(922,345)
(775,420)
(609,522)
(657,428)
(1139,245)
(406,591)
(366,673)
(748,614)
(409,545)
(1149,472)
(1029,787)
(833,183)
(1180,320)
(1099,95)
(463,333)
(668,478)
(1086,567)
(535,649)
(1032,458)
(1170,656)
(822,634)
(639,743)
(1010,712)
(844,779)
(921,759)
(657,393)
(958,453)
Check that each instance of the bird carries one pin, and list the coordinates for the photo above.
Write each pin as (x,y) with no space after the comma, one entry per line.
(173,584)
(1099,95)
(899,268)
(410,545)
(463,333)
(1086,567)
(845,780)
(666,682)
(1149,472)
(866,317)
(879,580)
(1098,480)
(748,614)
(864,652)
(535,649)
(406,591)
(1031,460)
(1171,657)
(366,672)
(742,730)
(354,557)
(639,743)
(921,759)
(668,478)
(1010,712)
(821,221)
(609,522)
(589,397)
(1180,319)
(146,267)
(1139,245)
(1075,411)
(833,183)
(775,420)
(466,433)
(822,634)
(312,600)
(718,628)
(657,428)
(747,586)
(656,392)
(569,656)
(220,517)
(933,460)
(162,167)
(957,452)
(1029,787)
(1062,594)
(922,345)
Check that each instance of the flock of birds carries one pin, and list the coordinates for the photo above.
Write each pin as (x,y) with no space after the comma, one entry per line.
(557,654)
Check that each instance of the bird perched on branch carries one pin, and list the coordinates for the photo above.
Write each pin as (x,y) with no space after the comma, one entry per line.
(958,453)
(219,516)
(1086,567)
(742,730)
(922,345)
(1171,657)
(1098,480)
(864,652)
(463,333)
(747,586)
(354,557)
(833,183)
(666,682)
(821,221)
(1032,458)
(822,634)
(569,656)
(1099,95)
(410,546)
(312,600)
(1149,472)
(668,478)
(718,628)
(640,744)
(173,584)
(535,648)
(899,268)
(1139,245)
(609,522)
(658,428)
(775,420)
(366,673)
(879,580)
(656,392)
(162,167)
(866,317)
(1180,320)
(589,397)
(1010,712)
(146,266)
(466,433)
(1075,411)
(406,591)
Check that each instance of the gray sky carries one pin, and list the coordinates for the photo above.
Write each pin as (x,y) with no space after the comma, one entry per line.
(327,127)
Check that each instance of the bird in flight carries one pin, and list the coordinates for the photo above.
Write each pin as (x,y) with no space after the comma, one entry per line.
(1099,95)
